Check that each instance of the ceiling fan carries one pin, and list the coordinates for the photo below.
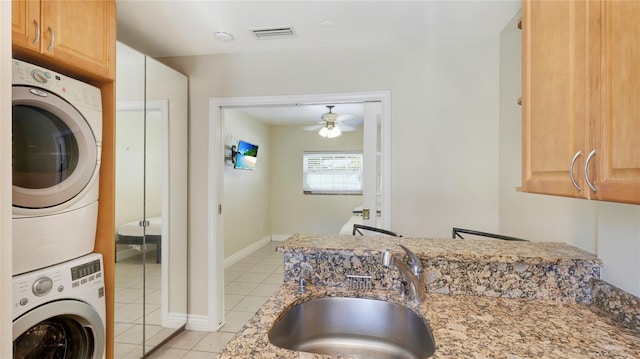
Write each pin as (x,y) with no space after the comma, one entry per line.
(331,124)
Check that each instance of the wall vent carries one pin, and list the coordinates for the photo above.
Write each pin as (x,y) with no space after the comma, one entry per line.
(277,32)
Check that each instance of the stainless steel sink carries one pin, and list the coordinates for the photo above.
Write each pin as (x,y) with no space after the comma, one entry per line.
(353,328)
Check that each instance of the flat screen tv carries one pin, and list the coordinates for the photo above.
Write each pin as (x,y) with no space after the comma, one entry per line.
(246,156)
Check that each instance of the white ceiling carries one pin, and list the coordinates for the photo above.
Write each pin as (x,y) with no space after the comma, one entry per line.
(303,115)
(186,28)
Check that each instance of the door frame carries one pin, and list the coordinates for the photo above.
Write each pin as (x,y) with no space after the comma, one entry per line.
(215,230)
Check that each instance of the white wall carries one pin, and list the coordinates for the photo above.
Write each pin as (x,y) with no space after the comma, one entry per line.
(444,111)
(246,192)
(618,244)
(445,138)
(5,182)
(291,210)
(610,230)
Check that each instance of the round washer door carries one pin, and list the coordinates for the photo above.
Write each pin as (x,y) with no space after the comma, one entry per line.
(66,329)
(54,149)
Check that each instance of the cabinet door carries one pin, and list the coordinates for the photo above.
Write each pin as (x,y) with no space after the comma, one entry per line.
(554,102)
(83,34)
(25,24)
(616,130)
(554,96)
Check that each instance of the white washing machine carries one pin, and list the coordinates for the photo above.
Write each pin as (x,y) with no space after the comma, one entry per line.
(57,142)
(59,311)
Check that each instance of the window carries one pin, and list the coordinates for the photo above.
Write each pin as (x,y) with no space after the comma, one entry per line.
(332,173)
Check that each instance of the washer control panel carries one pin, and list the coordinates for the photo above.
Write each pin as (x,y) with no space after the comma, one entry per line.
(59,281)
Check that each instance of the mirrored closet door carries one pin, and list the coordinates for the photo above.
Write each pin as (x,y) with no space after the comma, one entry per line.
(151,203)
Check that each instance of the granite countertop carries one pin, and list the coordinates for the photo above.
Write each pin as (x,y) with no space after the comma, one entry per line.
(485,298)
(486,267)
(466,327)
(452,249)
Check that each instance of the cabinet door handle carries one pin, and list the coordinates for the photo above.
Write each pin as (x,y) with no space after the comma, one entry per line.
(573,162)
(37,39)
(52,39)
(586,171)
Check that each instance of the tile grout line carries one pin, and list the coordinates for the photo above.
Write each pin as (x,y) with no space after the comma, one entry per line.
(222,334)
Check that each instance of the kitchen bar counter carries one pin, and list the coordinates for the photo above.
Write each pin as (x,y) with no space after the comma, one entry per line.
(485,267)
(485,298)
(488,250)
(466,327)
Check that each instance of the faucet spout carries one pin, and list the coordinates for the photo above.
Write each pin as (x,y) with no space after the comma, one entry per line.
(413,274)
(416,265)
(305,271)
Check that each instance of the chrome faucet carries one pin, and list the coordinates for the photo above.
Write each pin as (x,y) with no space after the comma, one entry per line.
(305,272)
(412,273)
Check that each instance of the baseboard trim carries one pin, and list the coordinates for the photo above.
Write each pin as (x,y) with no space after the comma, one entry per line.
(238,256)
(280,237)
(200,323)
(175,320)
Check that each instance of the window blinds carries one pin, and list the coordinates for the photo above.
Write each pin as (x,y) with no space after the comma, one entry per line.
(332,173)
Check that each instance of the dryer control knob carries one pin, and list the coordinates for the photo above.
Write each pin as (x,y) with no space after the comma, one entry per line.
(42,286)
(40,76)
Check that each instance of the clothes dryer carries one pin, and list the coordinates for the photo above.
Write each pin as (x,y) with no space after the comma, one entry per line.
(59,311)
(57,141)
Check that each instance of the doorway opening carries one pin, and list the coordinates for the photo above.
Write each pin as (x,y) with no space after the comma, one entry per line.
(376,151)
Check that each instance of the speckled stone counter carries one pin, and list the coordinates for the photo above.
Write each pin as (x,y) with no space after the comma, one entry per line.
(466,327)
(486,298)
(483,267)
(616,304)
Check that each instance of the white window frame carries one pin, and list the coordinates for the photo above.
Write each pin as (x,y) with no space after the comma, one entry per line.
(331,189)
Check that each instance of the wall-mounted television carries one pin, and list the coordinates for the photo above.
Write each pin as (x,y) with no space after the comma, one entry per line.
(246,156)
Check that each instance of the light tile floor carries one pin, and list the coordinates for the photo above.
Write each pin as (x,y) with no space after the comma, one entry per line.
(248,284)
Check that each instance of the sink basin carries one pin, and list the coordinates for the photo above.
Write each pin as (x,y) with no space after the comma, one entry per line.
(353,328)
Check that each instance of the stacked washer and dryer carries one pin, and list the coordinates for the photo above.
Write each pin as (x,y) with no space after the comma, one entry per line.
(58,284)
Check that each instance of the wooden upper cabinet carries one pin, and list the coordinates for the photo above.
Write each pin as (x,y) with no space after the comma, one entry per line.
(616,126)
(581,91)
(78,35)
(554,70)
(25,24)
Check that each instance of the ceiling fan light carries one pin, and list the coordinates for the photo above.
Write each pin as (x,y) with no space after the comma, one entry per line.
(330,130)
(333,132)
(324,132)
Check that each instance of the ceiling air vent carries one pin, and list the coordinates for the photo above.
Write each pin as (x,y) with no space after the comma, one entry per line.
(278,32)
